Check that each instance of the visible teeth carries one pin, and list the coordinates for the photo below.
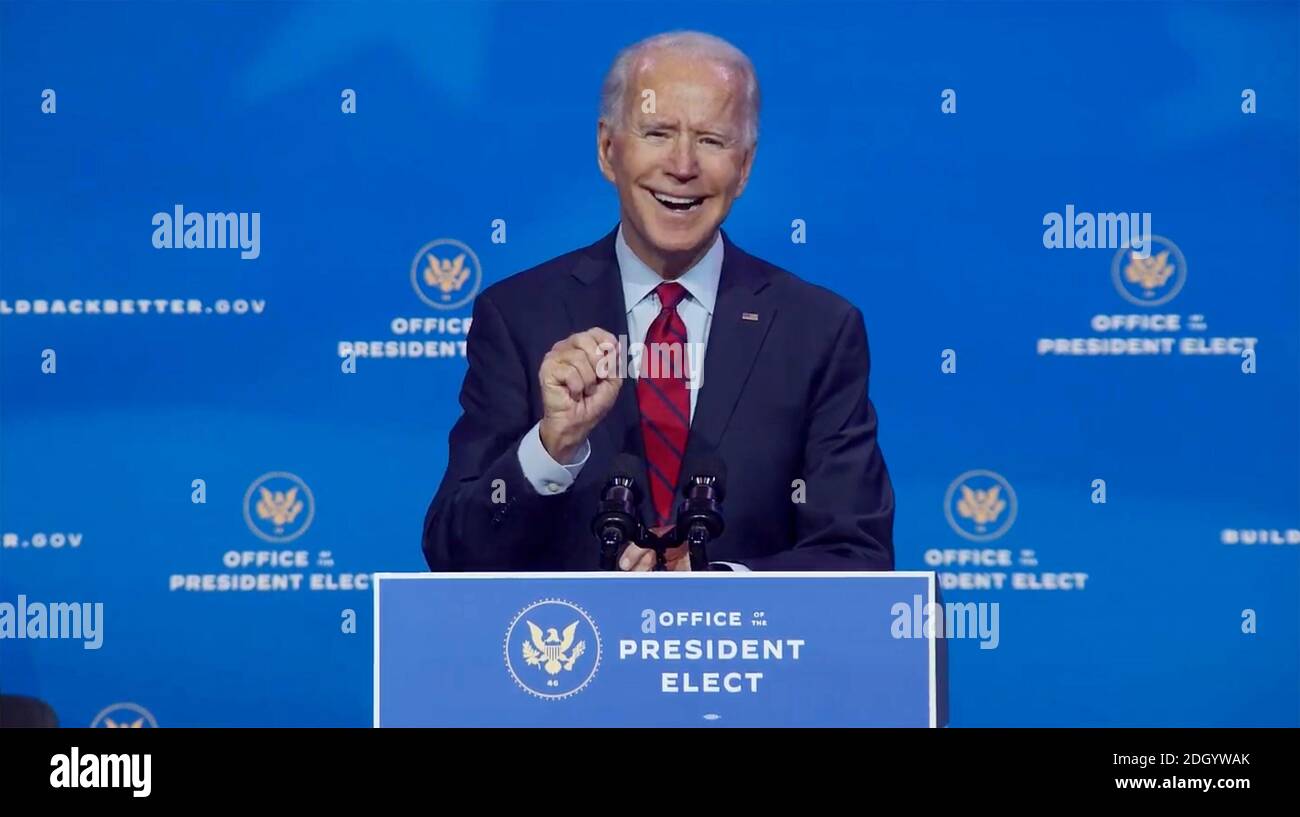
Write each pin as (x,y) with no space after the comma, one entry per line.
(667,199)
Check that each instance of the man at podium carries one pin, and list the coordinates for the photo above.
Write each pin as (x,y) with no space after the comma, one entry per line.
(664,340)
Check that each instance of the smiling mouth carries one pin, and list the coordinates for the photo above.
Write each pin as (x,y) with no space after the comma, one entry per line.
(679,204)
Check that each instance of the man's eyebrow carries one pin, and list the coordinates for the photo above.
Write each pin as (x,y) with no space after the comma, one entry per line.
(664,124)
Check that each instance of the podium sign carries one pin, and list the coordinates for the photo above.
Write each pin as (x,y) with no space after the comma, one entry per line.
(657,649)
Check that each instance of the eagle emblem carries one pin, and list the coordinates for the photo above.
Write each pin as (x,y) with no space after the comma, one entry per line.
(281,507)
(1149,273)
(550,651)
(135,724)
(981,506)
(447,275)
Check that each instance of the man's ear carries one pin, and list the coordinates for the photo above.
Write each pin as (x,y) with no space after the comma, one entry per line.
(745,168)
(604,149)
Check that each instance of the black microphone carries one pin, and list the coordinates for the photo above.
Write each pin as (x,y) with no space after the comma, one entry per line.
(618,517)
(699,517)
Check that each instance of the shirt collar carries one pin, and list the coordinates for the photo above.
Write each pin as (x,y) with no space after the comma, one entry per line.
(701,280)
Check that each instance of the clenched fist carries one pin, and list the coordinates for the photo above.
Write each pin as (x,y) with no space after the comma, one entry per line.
(580,380)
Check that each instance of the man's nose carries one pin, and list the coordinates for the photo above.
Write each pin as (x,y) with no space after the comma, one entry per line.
(683,165)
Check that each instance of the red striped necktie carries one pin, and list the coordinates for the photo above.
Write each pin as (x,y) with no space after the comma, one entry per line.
(661,390)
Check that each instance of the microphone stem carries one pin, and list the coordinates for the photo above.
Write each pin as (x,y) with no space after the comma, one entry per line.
(698,539)
(609,549)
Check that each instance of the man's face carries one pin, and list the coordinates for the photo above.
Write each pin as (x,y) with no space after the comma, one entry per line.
(679,166)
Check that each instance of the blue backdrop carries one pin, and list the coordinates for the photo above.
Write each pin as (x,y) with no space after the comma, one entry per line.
(930,220)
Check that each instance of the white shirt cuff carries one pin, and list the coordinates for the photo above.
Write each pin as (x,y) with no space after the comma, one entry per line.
(547,476)
(736,568)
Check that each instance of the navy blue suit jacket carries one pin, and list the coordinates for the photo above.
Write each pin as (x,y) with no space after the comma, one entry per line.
(784,398)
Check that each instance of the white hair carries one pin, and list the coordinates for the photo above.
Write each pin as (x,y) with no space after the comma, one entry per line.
(613,93)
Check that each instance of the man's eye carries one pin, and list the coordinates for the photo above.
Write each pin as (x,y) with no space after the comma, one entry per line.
(655,134)
(712,141)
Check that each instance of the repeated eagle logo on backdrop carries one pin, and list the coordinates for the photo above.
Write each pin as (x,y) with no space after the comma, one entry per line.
(279,507)
(1151,280)
(124,716)
(980,505)
(1150,273)
(446,273)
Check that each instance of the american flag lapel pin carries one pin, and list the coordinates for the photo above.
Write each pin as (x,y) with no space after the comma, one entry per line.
(749,316)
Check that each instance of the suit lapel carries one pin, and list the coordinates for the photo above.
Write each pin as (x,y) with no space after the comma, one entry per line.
(742,316)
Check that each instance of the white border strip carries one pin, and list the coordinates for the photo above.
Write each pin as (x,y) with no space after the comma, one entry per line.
(375,691)
(934,667)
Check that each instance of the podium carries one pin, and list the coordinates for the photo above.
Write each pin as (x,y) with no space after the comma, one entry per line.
(816,649)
